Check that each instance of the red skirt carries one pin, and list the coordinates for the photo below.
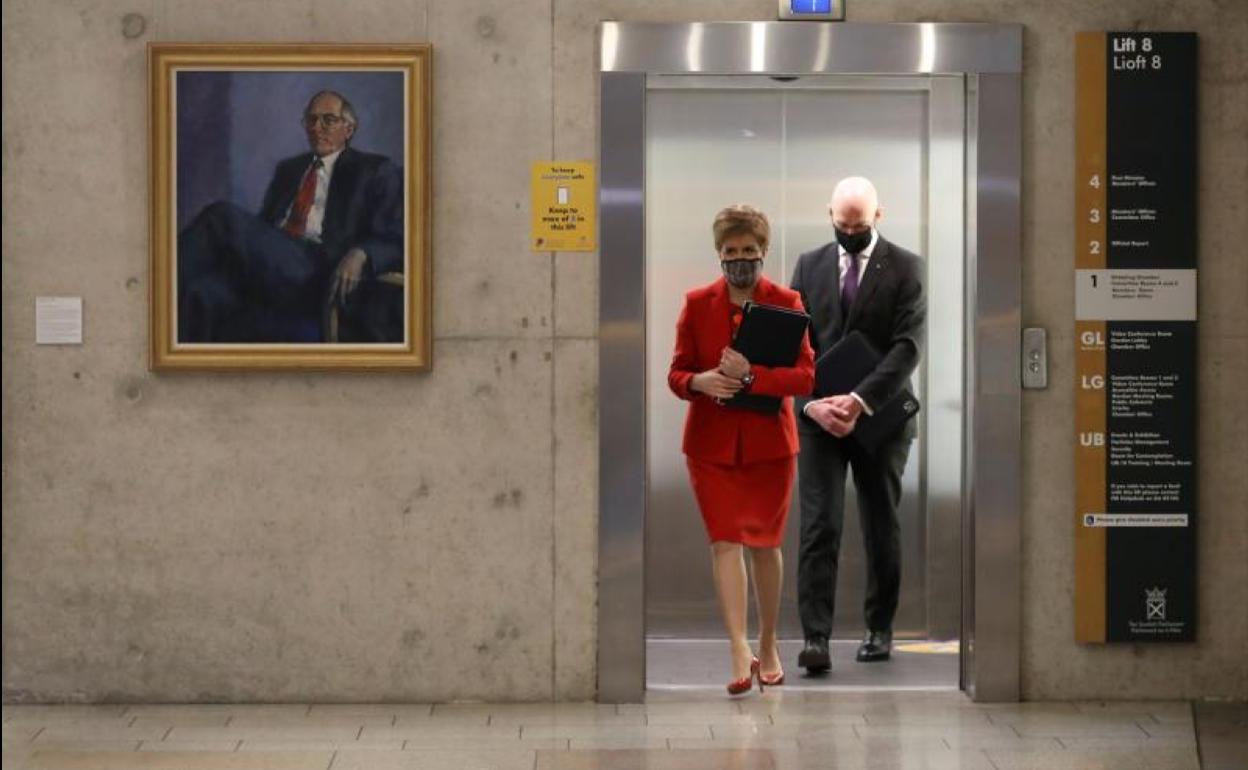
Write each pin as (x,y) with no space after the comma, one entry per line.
(745,504)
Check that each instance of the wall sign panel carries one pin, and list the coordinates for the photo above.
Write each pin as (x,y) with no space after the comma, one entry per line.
(1135,324)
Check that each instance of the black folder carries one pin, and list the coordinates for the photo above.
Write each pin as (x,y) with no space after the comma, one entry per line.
(841,368)
(769,335)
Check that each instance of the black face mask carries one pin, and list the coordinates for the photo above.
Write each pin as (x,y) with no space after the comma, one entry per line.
(742,273)
(855,243)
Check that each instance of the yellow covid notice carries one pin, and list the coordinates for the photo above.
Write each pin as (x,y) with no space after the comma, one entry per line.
(565,206)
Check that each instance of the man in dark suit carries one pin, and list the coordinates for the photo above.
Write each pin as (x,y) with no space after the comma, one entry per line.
(859,282)
(331,218)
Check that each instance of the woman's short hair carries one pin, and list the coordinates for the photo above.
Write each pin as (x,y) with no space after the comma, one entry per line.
(741,219)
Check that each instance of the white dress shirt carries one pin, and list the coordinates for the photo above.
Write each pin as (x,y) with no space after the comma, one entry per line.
(316,214)
(863,259)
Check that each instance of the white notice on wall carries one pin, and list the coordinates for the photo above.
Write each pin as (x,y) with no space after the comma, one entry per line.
(58,320)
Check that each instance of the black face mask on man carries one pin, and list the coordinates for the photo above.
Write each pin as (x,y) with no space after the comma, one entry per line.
(853,243)
(742,273)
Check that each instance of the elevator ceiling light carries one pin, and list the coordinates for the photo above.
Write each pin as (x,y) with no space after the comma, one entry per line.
(927,47)
(758,46)
(693,47)
(610,46)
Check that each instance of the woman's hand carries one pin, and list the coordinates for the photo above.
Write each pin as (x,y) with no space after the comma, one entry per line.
(733,364)
(715,384)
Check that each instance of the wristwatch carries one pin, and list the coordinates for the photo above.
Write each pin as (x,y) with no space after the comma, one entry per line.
(747,381)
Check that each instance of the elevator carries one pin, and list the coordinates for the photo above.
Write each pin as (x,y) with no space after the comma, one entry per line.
(698,116)
(781,145)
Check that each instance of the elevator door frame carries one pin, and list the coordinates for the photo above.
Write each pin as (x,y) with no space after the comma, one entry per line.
(990,58)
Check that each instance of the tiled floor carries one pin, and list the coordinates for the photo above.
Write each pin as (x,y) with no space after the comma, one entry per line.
(785,728)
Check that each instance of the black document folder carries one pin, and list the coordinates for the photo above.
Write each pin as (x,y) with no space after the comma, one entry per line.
(841,368)
(769,335)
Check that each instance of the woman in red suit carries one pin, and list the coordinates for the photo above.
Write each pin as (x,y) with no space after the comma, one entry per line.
(741,462)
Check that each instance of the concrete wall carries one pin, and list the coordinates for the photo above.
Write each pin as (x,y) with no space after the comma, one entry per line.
(382,537)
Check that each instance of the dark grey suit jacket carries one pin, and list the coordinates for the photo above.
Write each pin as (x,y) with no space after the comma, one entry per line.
(364,209)
(890,310)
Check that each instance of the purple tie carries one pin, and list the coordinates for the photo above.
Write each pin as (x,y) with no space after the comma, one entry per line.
(850,289)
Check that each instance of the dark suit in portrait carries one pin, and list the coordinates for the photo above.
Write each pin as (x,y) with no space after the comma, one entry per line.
(270,277)
(890,310)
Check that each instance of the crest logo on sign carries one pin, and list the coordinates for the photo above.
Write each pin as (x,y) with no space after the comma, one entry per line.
(1155,604)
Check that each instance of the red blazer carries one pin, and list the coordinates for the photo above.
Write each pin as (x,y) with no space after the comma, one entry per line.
(730,436)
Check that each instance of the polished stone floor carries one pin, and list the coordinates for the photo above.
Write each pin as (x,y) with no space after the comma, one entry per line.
(676,729)
(1222,734)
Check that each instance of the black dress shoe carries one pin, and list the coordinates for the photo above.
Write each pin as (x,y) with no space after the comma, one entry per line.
(877,646)
(814,657)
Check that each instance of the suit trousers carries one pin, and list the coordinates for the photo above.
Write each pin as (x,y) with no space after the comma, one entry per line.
(822,466)
(240,279)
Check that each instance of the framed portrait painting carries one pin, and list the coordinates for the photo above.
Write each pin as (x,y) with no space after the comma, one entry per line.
(290,206)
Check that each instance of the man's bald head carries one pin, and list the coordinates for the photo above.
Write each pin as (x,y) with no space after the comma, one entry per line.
(855,205)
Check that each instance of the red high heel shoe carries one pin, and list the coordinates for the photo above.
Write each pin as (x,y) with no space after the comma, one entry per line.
(774,680)
(739,686)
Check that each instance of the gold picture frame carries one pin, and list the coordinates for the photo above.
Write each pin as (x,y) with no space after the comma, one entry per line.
(290,206)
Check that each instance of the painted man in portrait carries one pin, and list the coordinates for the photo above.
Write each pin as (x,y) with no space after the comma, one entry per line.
(330,223)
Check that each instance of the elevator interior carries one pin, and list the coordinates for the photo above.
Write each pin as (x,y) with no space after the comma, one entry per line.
(697,116)
(781,144)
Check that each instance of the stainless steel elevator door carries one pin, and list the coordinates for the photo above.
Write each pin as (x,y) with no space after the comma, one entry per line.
(782,146)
